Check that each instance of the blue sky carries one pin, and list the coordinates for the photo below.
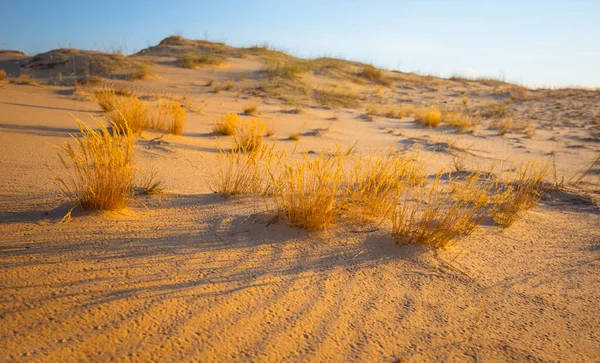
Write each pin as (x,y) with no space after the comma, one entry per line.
(544,42)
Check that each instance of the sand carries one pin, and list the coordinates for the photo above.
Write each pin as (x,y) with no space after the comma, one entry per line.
(189,276)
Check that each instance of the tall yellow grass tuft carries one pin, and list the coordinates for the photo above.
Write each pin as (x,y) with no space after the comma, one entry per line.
(462,121)
(99,167)
(240,172)
(521,190)
(127,111)
(435,214)
(428,116)
(308,194)
(227,125)
(375,182)
(249,136)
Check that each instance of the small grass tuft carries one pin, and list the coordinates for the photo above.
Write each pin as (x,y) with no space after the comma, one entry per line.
(227,125)
(249,136)
(428,116)
(251,109)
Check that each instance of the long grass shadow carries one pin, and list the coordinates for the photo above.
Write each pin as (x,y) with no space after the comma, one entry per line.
(38,130)
(47,107)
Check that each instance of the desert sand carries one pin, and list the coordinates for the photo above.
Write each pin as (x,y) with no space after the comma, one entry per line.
(189,276)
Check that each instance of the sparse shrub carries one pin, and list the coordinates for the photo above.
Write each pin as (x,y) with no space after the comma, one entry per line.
(374,74)
(228,86)
(25,79)
(173,117)
(195,60)
(307,194)
(251,108)
(436,214)
(227,125)
(462,121)
(270,130)
(430,116)
(522,190)
(240,172)
(506,124)
(149,184)
(209,83)
(2,74)
(139,115)
(249,136)
(375,183)
(495,110)
(295,136)
(99,168)
(335,99)
(405,110)
(141,71)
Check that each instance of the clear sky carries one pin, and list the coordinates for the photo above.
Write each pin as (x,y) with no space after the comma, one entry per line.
(543,42)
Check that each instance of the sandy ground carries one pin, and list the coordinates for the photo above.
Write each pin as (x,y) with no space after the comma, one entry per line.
(188,276)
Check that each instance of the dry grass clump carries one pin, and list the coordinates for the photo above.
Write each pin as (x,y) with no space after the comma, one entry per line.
(520,191)
(99,167)
(141,71)
(23,79)
(287,69)
(240,172)
(295,136)
(505,124)
(2,74)
(461,120)
(376,181)
(308,194)
(149,184)
(495,110)
(429,116)
(435,214)
(127,111)
(195,60)
(374,74)
(251,108)
(249,136)
(170,117)
(227,125)
(335,99)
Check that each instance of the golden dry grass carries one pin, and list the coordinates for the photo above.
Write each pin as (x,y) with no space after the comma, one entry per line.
(437,213)
(2,74)
(238,172)
(375,181)
(251,109)
(308,194)
(375,74)
(195,60)
(520,190)
(249,136)
(98,168)
(460,120)
(128,111)
(429,116)
(227,124)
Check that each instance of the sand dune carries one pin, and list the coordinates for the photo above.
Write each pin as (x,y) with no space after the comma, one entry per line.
(187,275)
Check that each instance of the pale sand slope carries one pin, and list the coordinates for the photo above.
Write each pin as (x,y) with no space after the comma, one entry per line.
(189,276)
